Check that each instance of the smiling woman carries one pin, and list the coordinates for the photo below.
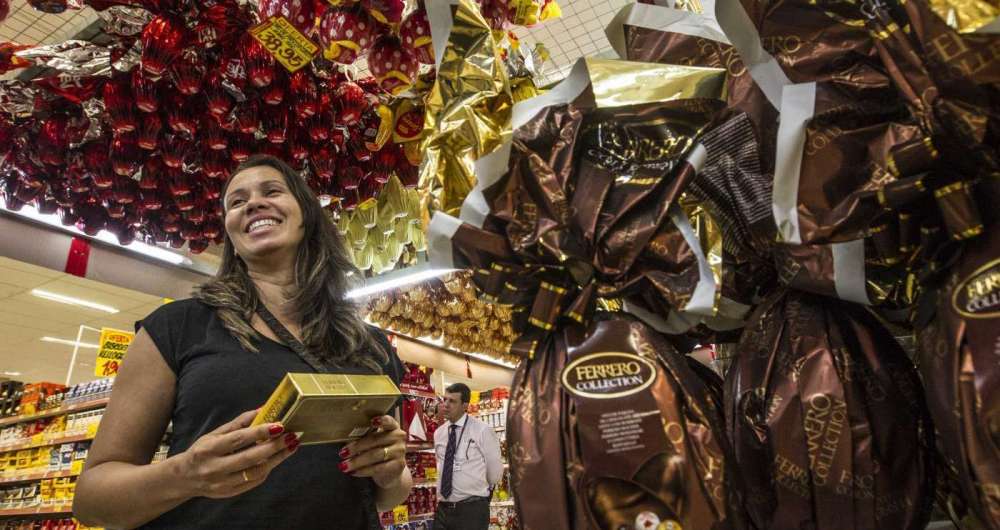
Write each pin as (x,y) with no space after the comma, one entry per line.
(276,305)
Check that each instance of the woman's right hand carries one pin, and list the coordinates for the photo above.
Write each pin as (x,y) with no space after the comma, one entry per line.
(234,458)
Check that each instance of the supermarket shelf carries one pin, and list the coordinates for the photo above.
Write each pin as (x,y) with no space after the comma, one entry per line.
(59,509)
(29,477)
(45,443)
(58,411)
(417,393)
(420,517)
(498,504)
(419,446)
(424,482)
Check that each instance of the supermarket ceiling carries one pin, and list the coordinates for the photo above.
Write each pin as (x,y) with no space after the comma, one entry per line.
(26,319)
(578,33)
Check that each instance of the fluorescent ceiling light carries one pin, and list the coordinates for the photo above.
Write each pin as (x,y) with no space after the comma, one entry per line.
(72,301)
(12,374)
(142,248)
(397,281)
(70,342)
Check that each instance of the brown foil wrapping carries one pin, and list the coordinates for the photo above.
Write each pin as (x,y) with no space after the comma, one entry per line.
(958,347)
(607,422)
(652,33)
(602,460)
(828,420)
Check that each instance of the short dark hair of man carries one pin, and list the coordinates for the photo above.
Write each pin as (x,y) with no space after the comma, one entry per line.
(460,388)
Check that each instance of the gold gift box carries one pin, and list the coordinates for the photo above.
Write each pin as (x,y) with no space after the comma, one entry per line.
(326,408)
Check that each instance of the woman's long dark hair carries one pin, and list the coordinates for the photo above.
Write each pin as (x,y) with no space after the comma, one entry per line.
(332,326)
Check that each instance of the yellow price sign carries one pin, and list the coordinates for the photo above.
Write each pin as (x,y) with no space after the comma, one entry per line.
(290,47)
(400,514)
(111,352)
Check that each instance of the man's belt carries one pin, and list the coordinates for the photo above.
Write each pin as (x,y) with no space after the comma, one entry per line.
(467,500)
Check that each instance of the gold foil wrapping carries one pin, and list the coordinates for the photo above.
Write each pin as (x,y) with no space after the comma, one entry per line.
(467,110)
(966,15)
(447,309)
(382,232)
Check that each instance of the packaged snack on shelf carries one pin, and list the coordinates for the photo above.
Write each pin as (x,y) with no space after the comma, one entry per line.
(34,395)
(46,491)
(60,490)
(80,451)
(65,457)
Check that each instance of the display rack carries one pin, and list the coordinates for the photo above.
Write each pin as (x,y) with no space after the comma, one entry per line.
(45,442)
(39,463)
(29,477)
(57,510)
(58,411)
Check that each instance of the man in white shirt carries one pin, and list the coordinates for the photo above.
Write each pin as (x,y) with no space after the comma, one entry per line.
(468,464)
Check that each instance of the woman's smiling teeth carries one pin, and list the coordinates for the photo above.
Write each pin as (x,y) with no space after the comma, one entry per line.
(261,223)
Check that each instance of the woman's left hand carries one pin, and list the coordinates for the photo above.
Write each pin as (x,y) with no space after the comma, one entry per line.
(380,454)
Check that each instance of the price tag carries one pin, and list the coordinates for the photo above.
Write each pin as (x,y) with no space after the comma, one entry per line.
(400,514)
(113,345)
(284,42)
(431,473)
(106,368)
(76,467)
(91,430)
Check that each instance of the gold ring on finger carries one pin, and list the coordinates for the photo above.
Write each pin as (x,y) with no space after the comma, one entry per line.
(385,454)
(245,477)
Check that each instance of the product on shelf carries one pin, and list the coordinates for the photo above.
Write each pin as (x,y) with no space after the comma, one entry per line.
(89,391)
(421,417)
(417,378)
(10,397)
(423,465)
(492,408)
(20,399)
(38,397)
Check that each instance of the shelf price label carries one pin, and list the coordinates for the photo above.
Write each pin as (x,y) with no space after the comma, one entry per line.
(113,345)
(400,515)
(279,37)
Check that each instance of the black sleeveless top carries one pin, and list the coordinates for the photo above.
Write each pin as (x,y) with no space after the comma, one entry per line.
(218,380)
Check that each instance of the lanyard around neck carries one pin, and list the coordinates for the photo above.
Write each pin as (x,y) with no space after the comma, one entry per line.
(288,339)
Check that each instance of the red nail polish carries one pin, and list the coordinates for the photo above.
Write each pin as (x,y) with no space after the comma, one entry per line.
(377,422)
(275,430)
(343,466)
(344,453)
(294,445)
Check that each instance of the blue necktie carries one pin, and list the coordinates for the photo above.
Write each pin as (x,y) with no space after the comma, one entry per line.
(449,463)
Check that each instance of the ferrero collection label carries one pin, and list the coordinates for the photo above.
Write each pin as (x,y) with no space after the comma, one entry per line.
(608,375)
(825,421)
(613,396)
(978,296)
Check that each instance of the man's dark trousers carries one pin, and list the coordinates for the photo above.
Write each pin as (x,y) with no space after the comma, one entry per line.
(469,514)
